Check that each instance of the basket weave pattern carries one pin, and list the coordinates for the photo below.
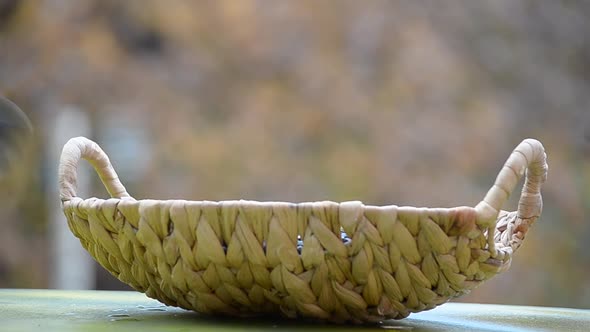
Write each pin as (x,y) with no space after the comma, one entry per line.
(331,261)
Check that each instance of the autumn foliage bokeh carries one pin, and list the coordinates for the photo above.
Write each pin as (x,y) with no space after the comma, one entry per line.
(387,102)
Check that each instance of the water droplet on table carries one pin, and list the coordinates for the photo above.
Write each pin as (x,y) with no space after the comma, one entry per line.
(155,309)
(124,319)
(118,315)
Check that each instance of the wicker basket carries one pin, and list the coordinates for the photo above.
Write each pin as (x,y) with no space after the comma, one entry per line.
(331,261)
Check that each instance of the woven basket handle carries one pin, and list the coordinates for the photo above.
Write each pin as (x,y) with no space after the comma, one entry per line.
(528,159)
(81,147)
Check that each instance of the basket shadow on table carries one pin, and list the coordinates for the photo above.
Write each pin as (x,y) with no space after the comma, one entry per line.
(455,318)
(178,317)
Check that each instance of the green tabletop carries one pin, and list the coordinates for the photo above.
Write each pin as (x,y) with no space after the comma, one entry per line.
(54,310)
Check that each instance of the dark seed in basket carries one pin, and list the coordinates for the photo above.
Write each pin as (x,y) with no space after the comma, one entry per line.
(343,236)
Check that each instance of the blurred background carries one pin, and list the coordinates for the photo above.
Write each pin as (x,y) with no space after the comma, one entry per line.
(388,102)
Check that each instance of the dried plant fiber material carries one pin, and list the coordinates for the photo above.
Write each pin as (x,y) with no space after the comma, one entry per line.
(339,262)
